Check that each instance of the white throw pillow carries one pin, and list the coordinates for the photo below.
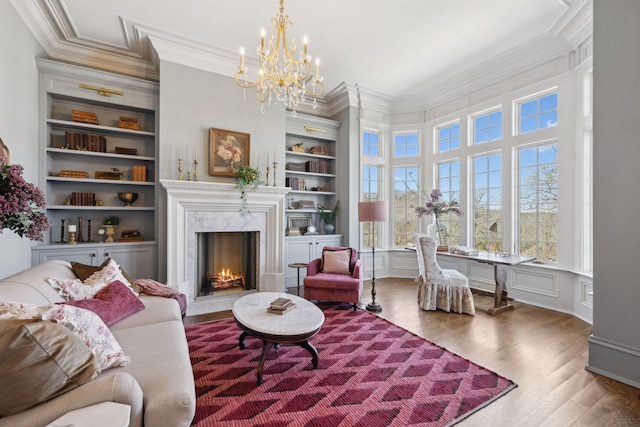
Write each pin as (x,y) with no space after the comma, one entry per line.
(76,289)
(91,329)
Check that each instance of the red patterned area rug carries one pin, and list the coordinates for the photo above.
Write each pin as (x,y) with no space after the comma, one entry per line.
(370,373)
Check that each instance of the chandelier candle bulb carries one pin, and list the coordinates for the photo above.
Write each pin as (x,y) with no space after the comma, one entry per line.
(262,34)
(305,41)
(241,57)
(317,68)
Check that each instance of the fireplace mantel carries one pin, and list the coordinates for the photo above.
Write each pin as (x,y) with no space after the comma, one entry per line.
(198,206)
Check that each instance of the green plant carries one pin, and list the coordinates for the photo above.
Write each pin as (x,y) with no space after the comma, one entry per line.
(329,216)
(111,220)
(247,178)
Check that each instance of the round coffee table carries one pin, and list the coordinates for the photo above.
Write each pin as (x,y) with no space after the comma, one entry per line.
(294,327)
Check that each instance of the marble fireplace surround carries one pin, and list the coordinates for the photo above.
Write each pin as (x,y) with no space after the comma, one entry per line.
(197,206)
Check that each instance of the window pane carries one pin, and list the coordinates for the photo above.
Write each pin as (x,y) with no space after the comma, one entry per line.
(538,202)
(449,138)
(405,201)
(449,185)
(487,127)
(406,145)
(487,208)
(541,113)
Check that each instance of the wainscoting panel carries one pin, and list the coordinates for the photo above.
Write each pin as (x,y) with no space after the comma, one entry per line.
(537,283)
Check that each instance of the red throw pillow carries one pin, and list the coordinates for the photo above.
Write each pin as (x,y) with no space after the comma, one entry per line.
(112,303)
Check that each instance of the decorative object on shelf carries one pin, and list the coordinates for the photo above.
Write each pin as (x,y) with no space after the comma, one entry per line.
(22,204)
(437,207)
(373,212)
(109,225)
(72,234)
(246,178)
(101,232)
(195,170)
(127,151)
(494,229)
(128,198)
(311,229)
(89,231)
(4,154)
(115,174)
(228,151)
(297,148)
(80,238)
(180,169)
(282,77)
(73,174)
(329,217)
(130,236)
(62,232)
(267,169)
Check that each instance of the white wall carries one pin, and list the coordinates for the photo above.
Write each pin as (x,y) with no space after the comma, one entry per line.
(18,119)
(191,102)
(614,346)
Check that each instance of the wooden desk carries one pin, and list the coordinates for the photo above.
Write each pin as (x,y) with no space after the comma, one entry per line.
(500,264)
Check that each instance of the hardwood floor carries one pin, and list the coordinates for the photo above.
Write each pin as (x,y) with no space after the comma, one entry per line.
(543,351)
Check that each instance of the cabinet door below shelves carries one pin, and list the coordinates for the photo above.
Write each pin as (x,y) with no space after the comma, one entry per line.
(137,261)
(66,253)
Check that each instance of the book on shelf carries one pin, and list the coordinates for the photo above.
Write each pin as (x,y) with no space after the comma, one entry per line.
(286,310)
(280,303)
(84,117)
(139,173)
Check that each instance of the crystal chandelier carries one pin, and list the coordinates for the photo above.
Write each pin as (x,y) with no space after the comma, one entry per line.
(282,77)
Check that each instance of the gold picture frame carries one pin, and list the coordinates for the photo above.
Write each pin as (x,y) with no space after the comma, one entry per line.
(228,151)
(299,222)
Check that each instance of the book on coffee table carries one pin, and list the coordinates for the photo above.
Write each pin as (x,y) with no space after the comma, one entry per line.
(281,311)
(280,303)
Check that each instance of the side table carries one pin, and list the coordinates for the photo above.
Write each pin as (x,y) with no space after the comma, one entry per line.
(298,265)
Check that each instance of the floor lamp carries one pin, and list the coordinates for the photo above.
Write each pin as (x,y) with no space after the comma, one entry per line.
(373,212)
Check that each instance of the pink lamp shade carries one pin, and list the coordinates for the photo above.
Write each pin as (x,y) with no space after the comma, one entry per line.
(372,211)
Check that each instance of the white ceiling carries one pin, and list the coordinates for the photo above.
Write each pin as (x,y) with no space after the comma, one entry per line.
(391,47)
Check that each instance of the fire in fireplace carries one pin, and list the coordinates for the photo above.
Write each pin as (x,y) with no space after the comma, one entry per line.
(226,261)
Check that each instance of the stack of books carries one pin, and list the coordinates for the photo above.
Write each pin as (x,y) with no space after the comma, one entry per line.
(84,117)
(128,123)
(139,173)
(319,150)
(281,306)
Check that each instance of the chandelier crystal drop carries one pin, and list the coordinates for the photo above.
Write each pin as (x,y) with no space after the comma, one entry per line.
(283,78)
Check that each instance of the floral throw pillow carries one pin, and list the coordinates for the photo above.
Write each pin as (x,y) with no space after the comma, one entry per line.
(91,329)
(76,289)
(21,310)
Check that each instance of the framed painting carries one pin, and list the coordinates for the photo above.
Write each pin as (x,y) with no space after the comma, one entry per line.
(228,151)
(300,222)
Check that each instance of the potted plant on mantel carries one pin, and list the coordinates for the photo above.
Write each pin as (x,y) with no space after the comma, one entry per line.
(247,178)
(329,217)
(109,225)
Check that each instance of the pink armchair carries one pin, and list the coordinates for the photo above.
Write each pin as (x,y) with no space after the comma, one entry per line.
(337,276)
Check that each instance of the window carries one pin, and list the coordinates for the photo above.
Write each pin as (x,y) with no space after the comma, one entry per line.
(538,201)
(371,143)
(406,144)
(538,113)
(448,182)
(448,137)
(487,127)
(487,201)
(371,192)
(405,200)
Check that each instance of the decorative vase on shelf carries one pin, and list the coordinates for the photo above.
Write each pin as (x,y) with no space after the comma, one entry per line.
(110,231)
(329,228)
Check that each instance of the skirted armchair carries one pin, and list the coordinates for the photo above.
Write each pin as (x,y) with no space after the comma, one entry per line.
(447,290)
(337,276)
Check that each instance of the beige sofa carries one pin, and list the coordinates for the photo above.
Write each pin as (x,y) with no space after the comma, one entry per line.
(158,384)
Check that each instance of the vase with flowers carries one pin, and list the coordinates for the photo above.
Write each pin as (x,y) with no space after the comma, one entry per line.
(437,207)
(247,178)
(22,204)
(329,217)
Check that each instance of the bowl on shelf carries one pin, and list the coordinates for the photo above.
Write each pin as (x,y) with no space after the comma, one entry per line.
(128,198)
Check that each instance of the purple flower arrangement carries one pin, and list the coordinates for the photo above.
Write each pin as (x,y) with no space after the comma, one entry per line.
(438,207)
(21,204)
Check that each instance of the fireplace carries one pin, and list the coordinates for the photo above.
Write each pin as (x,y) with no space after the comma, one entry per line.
(195,207)
(227,262)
